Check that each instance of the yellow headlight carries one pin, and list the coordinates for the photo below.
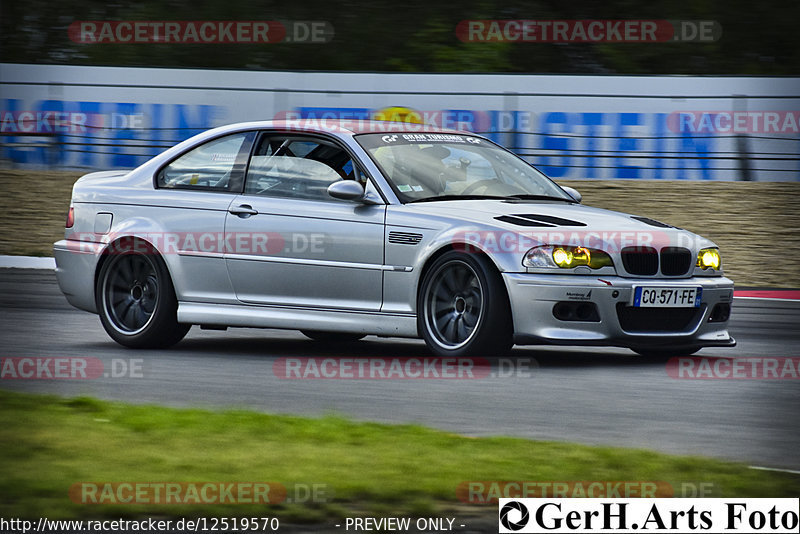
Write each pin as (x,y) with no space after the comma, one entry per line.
(569,257)
(581,256)
(566,257)
(562,257)
(709,258)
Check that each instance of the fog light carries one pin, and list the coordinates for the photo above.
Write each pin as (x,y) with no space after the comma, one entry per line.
(576,311)
(720,313)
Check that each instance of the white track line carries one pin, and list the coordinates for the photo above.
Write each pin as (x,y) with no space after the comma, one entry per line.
(27,262)
(772,299)
(790,471)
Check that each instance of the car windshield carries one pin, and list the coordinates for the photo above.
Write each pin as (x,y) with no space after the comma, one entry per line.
(439,166)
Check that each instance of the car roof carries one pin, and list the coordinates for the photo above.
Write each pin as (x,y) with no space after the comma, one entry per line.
(346,126)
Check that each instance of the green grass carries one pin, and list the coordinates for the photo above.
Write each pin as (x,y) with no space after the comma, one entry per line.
(49,443)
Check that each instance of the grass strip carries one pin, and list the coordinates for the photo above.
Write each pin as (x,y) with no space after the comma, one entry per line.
(50,443)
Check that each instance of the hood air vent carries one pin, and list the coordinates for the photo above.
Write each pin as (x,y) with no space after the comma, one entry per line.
(542,221)
(651,222)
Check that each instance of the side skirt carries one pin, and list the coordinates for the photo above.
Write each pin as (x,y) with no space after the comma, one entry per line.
(370,323)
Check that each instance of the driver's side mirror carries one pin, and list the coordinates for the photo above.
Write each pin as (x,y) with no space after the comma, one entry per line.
(573,193)
(346,190)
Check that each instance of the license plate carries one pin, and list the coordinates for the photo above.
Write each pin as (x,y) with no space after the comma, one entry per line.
(667,297)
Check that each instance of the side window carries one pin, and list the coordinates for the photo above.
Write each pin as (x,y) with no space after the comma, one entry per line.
(297,168)
(217,165)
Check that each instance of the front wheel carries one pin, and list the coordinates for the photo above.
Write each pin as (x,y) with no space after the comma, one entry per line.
(463,309)
(136,301)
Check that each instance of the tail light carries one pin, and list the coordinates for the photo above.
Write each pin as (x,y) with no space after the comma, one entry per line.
(70,217)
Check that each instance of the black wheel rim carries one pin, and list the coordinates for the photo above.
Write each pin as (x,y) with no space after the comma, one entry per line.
(454,304)
(130,292)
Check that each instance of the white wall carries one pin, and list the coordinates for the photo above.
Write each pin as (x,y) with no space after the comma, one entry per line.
(571,126)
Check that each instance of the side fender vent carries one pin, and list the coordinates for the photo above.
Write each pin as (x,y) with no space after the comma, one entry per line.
(404,238)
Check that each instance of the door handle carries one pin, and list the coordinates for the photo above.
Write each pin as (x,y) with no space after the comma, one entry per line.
(244,211)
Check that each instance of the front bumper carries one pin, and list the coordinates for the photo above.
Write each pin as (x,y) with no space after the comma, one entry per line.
(534,296)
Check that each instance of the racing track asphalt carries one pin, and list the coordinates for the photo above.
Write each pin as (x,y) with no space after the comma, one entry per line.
(594,396)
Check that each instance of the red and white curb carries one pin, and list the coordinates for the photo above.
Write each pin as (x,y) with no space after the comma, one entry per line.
(767,294)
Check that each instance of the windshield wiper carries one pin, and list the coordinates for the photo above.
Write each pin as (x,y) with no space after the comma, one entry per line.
(458,197)
(541,197)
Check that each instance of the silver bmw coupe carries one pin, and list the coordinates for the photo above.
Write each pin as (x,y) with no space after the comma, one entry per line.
(346,229)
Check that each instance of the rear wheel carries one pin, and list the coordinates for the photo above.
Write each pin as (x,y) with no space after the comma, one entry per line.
(136,301)
(332,337)
(463,309)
